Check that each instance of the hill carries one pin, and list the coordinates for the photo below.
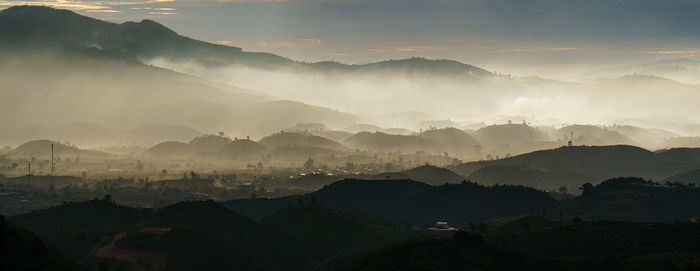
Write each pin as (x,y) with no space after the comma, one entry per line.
(593,135)
(463,252)
(362,127)
(511,139)
(690,177)
(208,143)
(634,199)
(22,250)
(422,204)
(598,162)
(335,238)
(284,139)
(170,149)
(433,175)
(600,245)
(521,175)
(454,141)
(42,149)
(379,141)
(242,149)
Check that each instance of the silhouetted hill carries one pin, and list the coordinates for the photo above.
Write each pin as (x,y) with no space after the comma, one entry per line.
(520,175)
(43,26)
(411,66)
(511,139)
(94,214)
(634,199)
(300,139)
(692,176)
(453,141)
(362,127)
(242,149)
(598,162)
(84,133)
(433,175)
(335,238)
(606,245)
(384,142)
(397,131)
(473,253)
(366,195)
(592,135)
(422,204)
(208,143)
(170,149)
(22,250)
(42,149)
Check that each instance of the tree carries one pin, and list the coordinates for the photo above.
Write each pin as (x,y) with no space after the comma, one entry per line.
(563,190)
(586,188)
(309,164)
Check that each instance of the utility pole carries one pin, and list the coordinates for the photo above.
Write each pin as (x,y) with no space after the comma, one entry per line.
(571,139)
(29,169)
(52,167)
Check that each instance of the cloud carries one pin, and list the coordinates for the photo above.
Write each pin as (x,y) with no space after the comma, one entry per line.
(103,10)
(671,51)
(224,42)
(295,43)
(89,6)
(152,8)
(405,49)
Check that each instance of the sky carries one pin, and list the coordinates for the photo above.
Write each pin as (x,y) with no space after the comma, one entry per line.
(552,38)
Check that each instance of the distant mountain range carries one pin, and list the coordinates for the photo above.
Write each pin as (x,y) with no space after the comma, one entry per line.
(35,26)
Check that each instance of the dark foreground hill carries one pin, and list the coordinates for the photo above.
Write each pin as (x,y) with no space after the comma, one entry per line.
(206,236)
(560,246)
(20,249)
(415,202)
(634,199)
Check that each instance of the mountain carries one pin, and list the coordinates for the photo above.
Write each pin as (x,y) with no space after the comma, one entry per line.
(679,69)
(119,91)
(44,26)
